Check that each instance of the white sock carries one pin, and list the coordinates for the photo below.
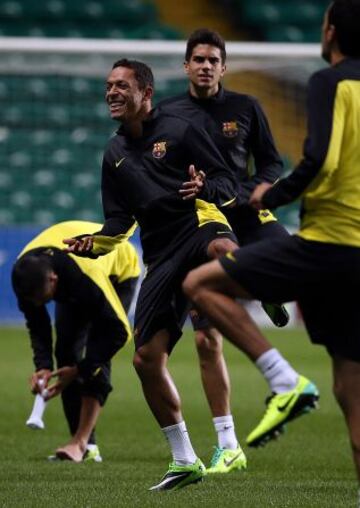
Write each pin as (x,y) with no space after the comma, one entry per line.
(224,426)
(91,447)
(279,374)
(180,444)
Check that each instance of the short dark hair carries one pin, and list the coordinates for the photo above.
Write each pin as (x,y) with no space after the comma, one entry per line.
(345,16)
(142,72)
(29,274)
(205,36)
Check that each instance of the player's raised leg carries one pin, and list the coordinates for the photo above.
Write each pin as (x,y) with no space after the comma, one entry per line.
(214,293)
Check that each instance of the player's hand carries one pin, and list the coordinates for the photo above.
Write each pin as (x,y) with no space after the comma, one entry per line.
(81,245)
(65,376)
(256,197)
(194,186)
(42,374)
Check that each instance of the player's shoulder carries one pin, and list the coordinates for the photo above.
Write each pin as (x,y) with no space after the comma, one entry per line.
(238,100)
(175,101)
(327,78)
(177,118)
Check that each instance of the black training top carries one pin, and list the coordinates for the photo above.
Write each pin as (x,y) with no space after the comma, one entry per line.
(328,177)
(238,126)
(141,179)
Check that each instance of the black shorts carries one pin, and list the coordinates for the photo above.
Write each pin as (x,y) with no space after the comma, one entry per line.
(249,226)
(324,278)
(161,304)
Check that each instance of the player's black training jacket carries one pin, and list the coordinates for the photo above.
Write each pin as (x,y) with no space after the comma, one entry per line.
(141,179)
(238,127)
(78,289)
(328,177)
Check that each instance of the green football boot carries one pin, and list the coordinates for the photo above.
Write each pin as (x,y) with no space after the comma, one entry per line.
(225,460)
(282,408)
(277,313)
(178,477)
(92,454)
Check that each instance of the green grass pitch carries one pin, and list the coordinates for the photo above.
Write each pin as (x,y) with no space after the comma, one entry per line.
(310,466)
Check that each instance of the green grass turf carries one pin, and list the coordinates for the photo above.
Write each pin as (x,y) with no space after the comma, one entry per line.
(310,466)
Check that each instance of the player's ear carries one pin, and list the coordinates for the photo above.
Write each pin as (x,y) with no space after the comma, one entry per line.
(223,70)
(186,67)
(148,93)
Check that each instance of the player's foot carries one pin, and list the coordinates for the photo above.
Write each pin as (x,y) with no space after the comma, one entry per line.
(71,451)
(178,477)
(282,408)
(277,313)
(92,454)
(225,460)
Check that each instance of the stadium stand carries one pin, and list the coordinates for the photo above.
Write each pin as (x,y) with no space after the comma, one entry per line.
(130,19)
(279,20)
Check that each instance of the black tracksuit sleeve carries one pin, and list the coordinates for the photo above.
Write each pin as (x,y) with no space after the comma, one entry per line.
(119,221)
(268,163)
(39,326)
(320,111)
(220,183)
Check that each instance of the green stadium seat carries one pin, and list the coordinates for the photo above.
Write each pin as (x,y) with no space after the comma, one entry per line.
(21,199)
(7,216)
(44,217)
(292,33)
(11,9)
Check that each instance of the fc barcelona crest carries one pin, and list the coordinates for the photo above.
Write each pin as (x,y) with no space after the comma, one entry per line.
(159,149)
(230,129)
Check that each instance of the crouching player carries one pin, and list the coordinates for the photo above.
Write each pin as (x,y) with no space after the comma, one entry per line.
(91,298)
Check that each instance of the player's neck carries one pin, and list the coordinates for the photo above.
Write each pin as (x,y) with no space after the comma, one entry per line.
(134,127)
(336,57)
(203,93)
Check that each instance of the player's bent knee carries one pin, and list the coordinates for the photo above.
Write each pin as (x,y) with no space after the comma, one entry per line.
(191,284)
(220,247)
(208,343)
(144,362)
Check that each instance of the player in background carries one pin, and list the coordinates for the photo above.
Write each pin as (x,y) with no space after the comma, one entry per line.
(240,130)
(91,300)
(320,265)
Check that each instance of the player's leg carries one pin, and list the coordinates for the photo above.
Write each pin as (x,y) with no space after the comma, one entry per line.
(214,293)
(251,226)
(71,334)
(160,313)
(76,449)
(347,392)
(228,455)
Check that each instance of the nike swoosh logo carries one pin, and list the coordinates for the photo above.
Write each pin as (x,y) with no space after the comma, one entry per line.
(282,408)
(221,232)
(117,163)
(229,462)
(169,479)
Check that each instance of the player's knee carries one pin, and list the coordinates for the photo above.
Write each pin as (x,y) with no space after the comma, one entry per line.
(145,362)
(98,388)
(208,344)
(191,285)
(220,247)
